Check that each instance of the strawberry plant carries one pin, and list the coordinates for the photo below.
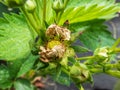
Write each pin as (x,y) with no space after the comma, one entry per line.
(39,41)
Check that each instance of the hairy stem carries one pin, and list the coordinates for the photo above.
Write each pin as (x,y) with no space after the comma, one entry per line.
(36,19)
(114,73)
(95,70)
(65,71)
(116,50)
(115,44)
(31,20)
(84,58)
(44,10)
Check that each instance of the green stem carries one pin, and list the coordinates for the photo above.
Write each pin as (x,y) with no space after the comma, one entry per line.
(116,50)
(114,73)
(57,17)
(38,11)
(115,44)
(95,70)
(36,19)
(99,68)
(65,71)
(60,13)
(38,7)
(111,66)
(30,19)
(84,58)
(3,2)
(65,3)
(44,10)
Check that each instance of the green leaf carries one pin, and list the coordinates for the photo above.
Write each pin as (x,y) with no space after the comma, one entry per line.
(4,74)
(93,39)
(82,26)
(19,67)
(62,78)
(5,85)
(27,65)
(23,84)
(5,79)
(71,60)
(14,37)
(49,16)
(80,49)
(85,10)
(14,67)
(96,35)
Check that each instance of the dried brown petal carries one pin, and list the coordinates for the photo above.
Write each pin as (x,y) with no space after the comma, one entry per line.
(47,55)
(61,32)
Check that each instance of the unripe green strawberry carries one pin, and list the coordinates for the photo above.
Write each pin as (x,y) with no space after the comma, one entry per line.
(102,54)
(58,5)
(79,73)
(30,5)
(53,43)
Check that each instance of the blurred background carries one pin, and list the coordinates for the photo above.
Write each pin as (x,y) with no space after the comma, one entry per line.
(101,81)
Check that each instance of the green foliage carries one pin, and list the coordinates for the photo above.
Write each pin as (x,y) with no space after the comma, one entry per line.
(92,31)
(27,65)
(28,51)
(47,15)
(18,68)
(14,67)
(5,79)
(99,37)
(14,37)
(80,49)
(80,10)
(23,84)
(62,78)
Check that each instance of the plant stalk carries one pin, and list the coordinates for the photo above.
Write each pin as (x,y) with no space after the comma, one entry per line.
(44,10)
(84,58)
(115,44)
(114,73)
(30,19)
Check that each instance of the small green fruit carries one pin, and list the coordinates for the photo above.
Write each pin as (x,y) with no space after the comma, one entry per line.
(30,5)
(53,43)
(79,73)
(58,5)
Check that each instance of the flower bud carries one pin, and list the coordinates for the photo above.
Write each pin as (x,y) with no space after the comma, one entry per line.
(14,3)
(58,5)
(79,73)
(30,5)
(102,54)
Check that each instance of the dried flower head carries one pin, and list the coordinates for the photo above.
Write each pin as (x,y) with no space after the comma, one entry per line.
(54,31)
(50,53)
